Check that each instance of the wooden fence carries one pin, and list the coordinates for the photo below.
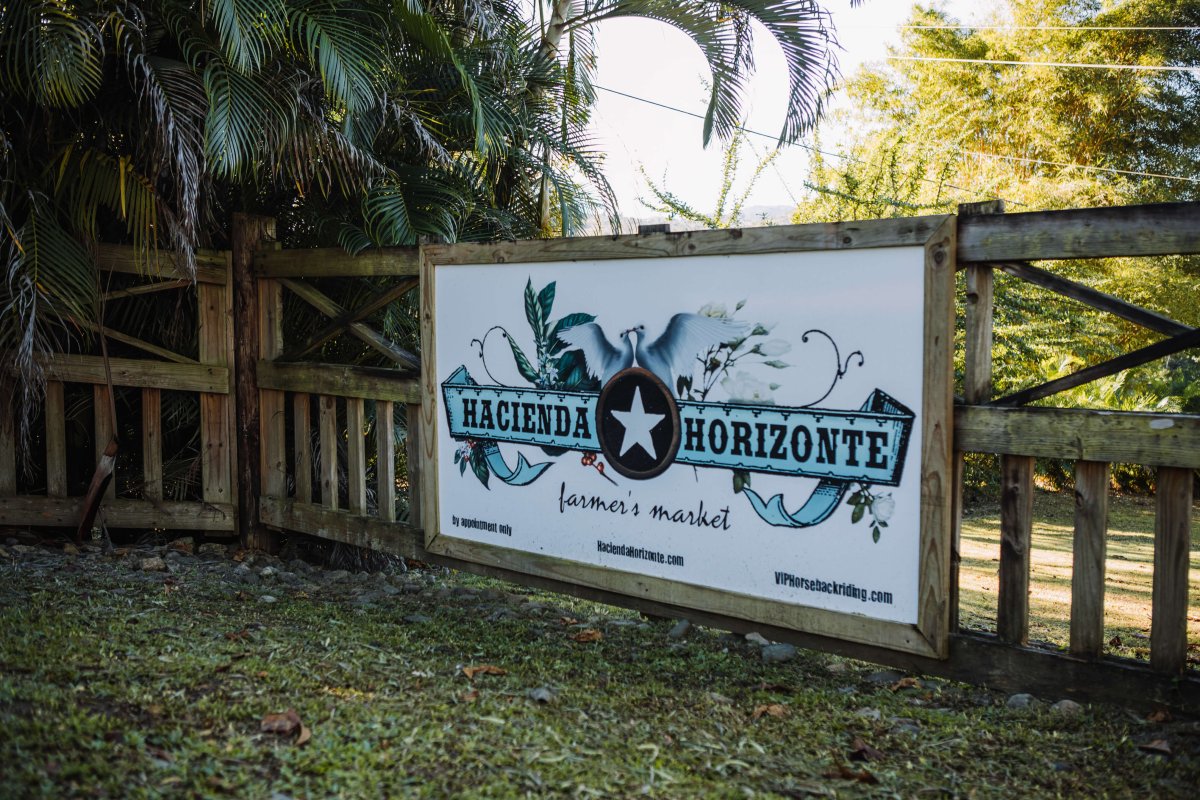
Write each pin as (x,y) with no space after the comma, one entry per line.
(318,484)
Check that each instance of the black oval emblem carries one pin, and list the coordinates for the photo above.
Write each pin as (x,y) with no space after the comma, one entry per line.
(637,421)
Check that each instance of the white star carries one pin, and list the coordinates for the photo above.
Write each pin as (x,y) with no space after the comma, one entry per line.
(638,425)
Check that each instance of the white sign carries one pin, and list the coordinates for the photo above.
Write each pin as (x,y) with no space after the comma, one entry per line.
(749,423)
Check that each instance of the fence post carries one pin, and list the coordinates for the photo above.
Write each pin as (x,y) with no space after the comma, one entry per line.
(249,234)
(1169,596)
(977,380)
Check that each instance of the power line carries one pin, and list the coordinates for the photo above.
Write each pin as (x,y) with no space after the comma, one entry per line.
(1137,67)
(1065,164)
(810,148)
(1031,27)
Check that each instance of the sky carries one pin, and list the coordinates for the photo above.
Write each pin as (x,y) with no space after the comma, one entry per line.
(651,60)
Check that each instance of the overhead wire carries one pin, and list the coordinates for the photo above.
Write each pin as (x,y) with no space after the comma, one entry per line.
(1033,27)
(1062,64)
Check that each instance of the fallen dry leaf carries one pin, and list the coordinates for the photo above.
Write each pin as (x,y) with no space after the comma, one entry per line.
(770,710)
(588,635)
(284,724)
(1160,715)
(240,555)
(305,735)
(1115,641)
(841,771)
(861,751)
(568,620)
(1159,747)
(775,687)
(483,669)
(469,697)
(906,683)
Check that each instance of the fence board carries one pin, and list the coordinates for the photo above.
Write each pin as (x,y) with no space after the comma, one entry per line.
(217,448)
(328,469)
(302,445)
(1128,437)
(1147,230)
(1016,531)
(1169,597)
(1089,552)
(413,462)
(119,513)
(385,459)
(356,457)
(334,262)
(102,416)
(8,455)
(152,466)
(210,264)
(341,526)
(369,383)
(144,374)
(56,440)
(272,403)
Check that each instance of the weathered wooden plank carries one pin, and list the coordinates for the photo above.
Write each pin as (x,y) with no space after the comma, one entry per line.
(341,526)
(147,288)
(119,513)
(126,259)
(369,383)
(8,455)
(272,402)
(937,442)
(1169,596)
(102,420)
(335,262)
(413,455)
(133,372)
(250,235)
(1089,296)
(349,320)
(1171,440)
(133,341)
(1087,572)
(385,460)
(328,464)
(1112,366)
(217,448)
(1016,533)
(56,440)
(152,464)
(1147,230)
(302,446)
(356,457)
(914,231)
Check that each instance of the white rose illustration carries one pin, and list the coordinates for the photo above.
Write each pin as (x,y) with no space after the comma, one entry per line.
(716,310)
(883,507)
(745,388)
(775,347)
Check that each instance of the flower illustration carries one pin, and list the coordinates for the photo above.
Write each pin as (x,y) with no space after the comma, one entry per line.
(716,310)
(745,388)
(775,347)
(880,506)
(883,507)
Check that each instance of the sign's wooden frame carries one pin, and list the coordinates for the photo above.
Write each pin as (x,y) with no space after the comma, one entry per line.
(930,635)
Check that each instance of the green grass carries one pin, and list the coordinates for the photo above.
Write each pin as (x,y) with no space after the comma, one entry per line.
(115,683)
(1128,571)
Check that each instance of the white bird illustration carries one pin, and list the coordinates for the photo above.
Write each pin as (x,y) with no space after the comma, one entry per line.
(670,355)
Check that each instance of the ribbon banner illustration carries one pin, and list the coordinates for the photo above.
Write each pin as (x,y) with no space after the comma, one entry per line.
(838,447)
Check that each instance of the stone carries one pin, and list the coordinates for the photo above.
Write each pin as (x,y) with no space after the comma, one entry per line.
(23,549)
(905,725)
(754,637)
(681,629)
(1068,708)
(4,553)
(212,550)
(837,667)
(491,595)
(298,565)
(411,588)
(70,549)
(884,676)
(268,572)
(153,564)
(388,589)
(465,593)
(778,653)
(268,599)
(502,614)
(543,694)
(184,544)
(720,699)
(869,713)
(417,619)
(336,576)
(1020,701)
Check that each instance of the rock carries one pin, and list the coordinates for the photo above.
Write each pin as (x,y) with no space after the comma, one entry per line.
(543,694)
(1068,708)
(465,593)
(682,628)
(290,578)
(837,667)
(869,713)
(153,564)
(443,594)
(417,619)
(491,595)
(4,553)
(905,725)
(720,699)
(268,599)
(1020,701)
(754,637)
(298,565)
(212,550)
(337,576)
(388,589)
(411,588)
(10,541)
(501,614)
(184,544)
(23,549)
(268,572)
(70,549)
(778,653)
(884,676)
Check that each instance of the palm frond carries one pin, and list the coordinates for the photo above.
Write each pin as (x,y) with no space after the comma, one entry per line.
(51,52)
(341,39)
(249,30)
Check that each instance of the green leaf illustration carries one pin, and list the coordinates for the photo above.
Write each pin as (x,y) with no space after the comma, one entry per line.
(776,364)
(480,467)
(741,480)
(545,301)
(875,534)
(859,510)
(533,311)
(526,369)
(462,466)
